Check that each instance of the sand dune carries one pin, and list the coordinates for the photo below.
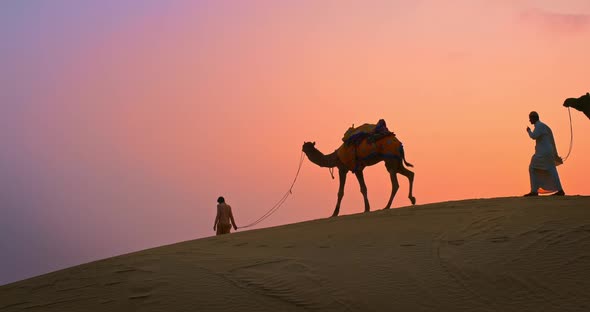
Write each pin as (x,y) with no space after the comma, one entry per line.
(502,254)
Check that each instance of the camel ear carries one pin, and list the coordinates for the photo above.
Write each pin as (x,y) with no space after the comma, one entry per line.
(587,93)
(313,143)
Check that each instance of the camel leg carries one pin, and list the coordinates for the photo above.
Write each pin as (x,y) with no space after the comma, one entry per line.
(410,175)
(342,178)
(394,188)
(361,178)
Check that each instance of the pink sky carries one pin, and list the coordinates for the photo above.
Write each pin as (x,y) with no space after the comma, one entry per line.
(123,121)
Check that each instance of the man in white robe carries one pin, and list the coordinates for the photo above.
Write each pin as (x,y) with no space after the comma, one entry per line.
(543,166)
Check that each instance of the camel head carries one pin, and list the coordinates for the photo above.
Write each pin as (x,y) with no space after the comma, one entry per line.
(578,103)
(308,147)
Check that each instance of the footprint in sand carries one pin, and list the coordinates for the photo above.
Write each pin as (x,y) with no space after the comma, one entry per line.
(140,293)
(140,296)
(139,268)
(456,242)
(499,239)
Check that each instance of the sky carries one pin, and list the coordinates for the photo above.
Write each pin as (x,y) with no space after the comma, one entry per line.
(122,121)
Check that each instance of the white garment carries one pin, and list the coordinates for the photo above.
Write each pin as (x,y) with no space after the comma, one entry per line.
(545,150)
(542,169)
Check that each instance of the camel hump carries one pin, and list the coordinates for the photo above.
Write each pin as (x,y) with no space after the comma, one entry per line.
(353,132)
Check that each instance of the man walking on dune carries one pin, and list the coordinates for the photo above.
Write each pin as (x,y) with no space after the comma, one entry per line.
(543,166)
(223,218)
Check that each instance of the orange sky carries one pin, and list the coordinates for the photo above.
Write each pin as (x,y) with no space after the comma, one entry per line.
(124,123)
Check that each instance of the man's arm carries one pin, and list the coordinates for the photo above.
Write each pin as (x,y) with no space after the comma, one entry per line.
(539,130)
(216,220)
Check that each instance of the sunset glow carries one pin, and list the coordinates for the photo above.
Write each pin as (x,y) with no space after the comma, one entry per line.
(123,121)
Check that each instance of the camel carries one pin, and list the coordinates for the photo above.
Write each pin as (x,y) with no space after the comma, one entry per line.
(582,104)
(393,164)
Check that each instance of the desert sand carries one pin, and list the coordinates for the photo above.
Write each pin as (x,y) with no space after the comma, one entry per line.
(500,254)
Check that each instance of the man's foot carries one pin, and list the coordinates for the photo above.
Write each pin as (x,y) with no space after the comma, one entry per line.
(559,193)
(531,194)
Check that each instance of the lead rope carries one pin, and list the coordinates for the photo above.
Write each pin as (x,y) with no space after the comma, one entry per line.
(571,136)
(281,201)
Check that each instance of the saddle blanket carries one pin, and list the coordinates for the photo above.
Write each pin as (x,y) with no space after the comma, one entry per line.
(355,157)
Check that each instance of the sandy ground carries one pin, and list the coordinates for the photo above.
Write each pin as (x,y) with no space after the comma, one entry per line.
(501,254)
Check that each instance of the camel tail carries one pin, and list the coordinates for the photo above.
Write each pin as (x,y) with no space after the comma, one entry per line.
(403,154)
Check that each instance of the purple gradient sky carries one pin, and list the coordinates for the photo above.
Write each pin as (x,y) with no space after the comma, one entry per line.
(122,121)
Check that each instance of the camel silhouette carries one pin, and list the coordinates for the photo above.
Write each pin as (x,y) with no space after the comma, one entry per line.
(582,104)
(364,154)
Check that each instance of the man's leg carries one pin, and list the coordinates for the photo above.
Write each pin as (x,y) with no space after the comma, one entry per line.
(534,184)
(555,176)
(225,228)
(533,178)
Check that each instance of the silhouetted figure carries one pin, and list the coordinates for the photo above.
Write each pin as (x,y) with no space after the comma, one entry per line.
(582,104)
(543,166)
(224,217)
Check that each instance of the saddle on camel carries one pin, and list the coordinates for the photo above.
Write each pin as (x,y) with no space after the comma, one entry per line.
(366,142)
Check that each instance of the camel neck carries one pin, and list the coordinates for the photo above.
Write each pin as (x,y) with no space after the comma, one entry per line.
(318,158)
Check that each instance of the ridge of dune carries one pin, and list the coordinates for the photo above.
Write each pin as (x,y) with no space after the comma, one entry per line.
(498,254)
